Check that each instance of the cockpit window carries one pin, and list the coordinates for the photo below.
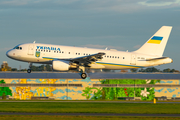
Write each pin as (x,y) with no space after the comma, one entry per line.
(17,47)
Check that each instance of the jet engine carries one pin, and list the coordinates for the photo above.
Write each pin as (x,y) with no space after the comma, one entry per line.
(60,65)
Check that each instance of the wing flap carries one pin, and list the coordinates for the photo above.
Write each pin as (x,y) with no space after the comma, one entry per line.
(88,59)
(85,60)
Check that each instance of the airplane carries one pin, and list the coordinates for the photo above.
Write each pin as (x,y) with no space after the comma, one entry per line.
(65,58)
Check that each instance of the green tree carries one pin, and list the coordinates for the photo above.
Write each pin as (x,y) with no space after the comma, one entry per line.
(14,69)
(133,70)
(150,69)
(48,67)
(170,70)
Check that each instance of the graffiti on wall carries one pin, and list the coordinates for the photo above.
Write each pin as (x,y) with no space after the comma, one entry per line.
(87,91)
(113,93)
(4,91)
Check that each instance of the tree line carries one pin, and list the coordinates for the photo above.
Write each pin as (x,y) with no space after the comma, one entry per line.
(153,69)
(46,67)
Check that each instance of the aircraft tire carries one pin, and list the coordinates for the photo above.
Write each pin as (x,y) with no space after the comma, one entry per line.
(29,71)
(83,75)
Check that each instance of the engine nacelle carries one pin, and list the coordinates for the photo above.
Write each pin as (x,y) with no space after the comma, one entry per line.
(60,65)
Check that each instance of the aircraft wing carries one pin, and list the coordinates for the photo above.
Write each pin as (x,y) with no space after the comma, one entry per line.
(85,60)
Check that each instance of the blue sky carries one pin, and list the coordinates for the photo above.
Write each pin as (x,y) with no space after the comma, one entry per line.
(117,24)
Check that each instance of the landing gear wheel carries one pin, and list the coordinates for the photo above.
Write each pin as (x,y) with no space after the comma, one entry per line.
(83,75)
(29,71)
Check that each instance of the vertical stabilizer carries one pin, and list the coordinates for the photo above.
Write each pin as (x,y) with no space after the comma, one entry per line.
(157,43)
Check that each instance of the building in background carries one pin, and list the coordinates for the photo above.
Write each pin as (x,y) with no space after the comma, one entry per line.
(5,67)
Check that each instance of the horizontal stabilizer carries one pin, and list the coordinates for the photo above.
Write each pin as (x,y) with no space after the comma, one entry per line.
(160,58)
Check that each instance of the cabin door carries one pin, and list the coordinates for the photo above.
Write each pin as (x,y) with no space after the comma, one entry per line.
(30,50)
(133,59)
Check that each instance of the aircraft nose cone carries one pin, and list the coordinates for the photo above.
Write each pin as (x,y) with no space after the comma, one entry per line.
(9,53)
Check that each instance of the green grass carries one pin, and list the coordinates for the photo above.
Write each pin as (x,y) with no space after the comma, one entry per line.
(46,117)
(86,107)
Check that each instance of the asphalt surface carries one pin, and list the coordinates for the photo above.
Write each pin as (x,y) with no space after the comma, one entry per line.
(94,114)
(100,75)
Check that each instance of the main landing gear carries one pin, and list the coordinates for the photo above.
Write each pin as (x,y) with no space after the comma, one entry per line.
(29,70)
(83,75)
(82,71)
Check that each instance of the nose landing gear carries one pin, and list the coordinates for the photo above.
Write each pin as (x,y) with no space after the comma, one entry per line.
(29,70)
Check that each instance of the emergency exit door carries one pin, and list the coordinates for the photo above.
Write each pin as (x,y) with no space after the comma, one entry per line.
(133,59)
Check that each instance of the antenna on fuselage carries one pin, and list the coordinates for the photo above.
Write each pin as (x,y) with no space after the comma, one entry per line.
(34,42)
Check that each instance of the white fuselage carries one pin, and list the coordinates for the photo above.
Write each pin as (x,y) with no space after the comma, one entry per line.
(115,60)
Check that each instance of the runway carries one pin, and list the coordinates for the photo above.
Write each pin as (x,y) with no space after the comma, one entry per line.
(94,114)
(100,75)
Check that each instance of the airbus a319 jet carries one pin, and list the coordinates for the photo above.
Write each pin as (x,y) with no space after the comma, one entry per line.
(64,58)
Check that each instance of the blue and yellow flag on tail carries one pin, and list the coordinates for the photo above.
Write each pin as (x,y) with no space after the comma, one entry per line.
(155,40)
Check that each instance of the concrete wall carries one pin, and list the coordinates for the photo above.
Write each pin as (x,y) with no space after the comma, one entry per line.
(87,91)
